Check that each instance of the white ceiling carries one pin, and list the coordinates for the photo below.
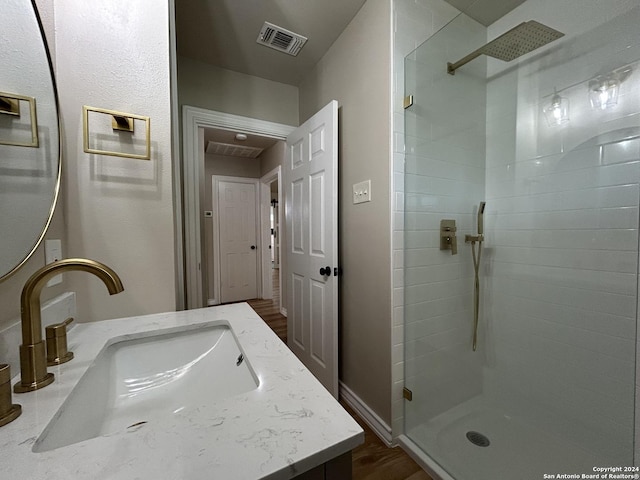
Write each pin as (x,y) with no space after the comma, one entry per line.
(224,33)
(485,11)
(227,137)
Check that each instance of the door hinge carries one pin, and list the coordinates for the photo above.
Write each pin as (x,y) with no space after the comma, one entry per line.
(408,101)
(407,394)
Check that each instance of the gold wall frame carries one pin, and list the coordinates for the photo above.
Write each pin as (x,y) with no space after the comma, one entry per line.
(12,101)
(117,118)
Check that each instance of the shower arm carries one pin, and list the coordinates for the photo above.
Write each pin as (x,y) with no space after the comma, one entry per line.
(452,67)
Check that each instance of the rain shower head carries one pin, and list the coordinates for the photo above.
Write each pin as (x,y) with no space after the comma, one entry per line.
(522,39)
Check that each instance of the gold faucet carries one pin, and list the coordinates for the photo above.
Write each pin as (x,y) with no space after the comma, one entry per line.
(33,360)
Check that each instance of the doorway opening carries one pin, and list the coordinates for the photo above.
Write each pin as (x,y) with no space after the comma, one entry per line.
(272,216)
(241,215)
(195,121)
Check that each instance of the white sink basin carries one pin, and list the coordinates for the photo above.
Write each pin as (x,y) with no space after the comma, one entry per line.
(136,380)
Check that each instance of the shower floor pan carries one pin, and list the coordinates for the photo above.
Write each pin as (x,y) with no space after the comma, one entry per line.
(516,449)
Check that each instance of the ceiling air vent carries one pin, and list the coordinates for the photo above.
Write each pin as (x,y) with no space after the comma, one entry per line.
(281,39)
(217,148)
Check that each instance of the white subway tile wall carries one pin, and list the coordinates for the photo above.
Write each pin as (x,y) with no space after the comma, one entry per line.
(562,234)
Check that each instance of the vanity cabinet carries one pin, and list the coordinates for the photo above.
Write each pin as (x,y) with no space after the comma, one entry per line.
(338,468)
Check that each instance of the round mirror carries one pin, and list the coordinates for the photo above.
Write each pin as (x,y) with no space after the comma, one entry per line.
(29,135)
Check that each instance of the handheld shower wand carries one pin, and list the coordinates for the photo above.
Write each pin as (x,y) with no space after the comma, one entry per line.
(481,218)
(476,267)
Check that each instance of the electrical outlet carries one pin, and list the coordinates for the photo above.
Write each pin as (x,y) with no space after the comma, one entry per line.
(362,192)
(53,253)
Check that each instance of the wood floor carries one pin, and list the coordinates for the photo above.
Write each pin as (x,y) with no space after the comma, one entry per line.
(372,460)
(269,310)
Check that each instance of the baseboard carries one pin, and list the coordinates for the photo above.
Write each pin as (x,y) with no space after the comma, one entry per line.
(371,418)
(283,311)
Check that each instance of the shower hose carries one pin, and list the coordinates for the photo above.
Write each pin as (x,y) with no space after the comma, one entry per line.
(476,285)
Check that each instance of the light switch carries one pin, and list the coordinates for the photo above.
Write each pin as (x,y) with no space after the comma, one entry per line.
(362,192)
(53,253)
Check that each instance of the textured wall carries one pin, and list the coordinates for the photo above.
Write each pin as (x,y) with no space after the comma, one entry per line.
(115,55)
(10,289)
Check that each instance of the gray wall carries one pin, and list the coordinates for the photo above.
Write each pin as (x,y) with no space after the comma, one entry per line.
(272,158)
(206,86)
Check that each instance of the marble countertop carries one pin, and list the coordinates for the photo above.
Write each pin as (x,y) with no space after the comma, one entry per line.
(286,426)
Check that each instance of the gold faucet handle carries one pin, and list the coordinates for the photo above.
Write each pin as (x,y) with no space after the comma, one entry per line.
(56,336)
(8,411)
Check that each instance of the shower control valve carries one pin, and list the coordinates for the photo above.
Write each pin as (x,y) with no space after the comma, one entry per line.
(448,239)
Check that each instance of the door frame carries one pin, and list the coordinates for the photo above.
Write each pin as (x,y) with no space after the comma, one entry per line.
(194,119)
(266,180)
(217,261)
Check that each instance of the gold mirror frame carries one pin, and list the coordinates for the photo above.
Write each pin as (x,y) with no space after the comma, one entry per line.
(56,191)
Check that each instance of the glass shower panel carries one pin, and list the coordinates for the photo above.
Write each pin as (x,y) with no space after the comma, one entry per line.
(551,386)
(445,142)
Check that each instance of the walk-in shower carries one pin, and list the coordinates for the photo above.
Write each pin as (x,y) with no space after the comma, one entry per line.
(545,290)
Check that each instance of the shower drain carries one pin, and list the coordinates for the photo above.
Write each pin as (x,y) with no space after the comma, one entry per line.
(478,439)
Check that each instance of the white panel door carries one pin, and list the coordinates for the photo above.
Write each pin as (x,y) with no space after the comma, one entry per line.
(238,241)
(311,216)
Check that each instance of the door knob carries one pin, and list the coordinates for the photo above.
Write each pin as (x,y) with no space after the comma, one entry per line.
(253,247)
(325,272)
